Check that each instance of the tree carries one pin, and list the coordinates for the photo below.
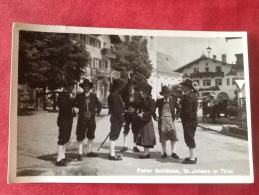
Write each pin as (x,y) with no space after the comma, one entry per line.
(132,55)
(46,60)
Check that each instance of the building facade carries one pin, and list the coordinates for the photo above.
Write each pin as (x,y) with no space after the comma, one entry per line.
(214,77)
(98,70)
(163,68)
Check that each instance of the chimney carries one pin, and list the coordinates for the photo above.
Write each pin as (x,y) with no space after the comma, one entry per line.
(214,57)
(224,58)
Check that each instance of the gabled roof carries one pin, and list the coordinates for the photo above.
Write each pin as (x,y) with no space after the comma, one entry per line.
(203,57)
(165,63)
(186,75)
(231,72)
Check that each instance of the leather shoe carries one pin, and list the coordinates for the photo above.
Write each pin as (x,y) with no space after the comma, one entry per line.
(67,160)
(189,161)
(174,155)
(124,149)
(61,163)
(116,157)
(135,149)
(80,157)
(164,155)
(91,154)
(144,156)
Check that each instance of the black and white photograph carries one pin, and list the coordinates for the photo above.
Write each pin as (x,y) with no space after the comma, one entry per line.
(103,105)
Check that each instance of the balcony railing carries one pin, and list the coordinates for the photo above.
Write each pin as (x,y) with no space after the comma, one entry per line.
(101,72)
(207,74)
(108,53)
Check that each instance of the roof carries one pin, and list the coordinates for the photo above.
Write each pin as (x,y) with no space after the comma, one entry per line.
(203,57)
(115,39)
(186,75)
(165,63)
(231,72)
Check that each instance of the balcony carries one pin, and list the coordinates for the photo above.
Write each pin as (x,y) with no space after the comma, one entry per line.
(108,53)
(101,72)
(207,74)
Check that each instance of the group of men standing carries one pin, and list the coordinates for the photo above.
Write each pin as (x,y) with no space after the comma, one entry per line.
(89,106)
(129,108)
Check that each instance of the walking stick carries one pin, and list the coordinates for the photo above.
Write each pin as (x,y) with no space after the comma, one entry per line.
(104,141)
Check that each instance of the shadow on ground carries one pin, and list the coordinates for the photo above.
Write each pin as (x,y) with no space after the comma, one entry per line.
(70,154)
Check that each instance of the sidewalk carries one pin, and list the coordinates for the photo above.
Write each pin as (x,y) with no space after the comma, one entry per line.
(222,129)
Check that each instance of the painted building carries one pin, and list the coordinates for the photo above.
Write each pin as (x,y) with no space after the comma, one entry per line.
(163,68)
(99,70)
(214,76)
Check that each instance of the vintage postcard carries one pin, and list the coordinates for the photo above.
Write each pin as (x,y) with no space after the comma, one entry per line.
(103,105)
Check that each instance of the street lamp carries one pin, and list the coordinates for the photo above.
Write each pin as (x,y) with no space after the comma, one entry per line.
(209,50)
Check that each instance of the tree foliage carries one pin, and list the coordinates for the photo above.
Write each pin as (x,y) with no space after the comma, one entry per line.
(132,55)
(50,59)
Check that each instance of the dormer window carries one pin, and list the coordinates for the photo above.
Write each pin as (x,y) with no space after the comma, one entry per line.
(207,69)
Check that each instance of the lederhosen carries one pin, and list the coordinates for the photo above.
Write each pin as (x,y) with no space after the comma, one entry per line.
(189,118)
(131,101)
(86,124)
(116,109)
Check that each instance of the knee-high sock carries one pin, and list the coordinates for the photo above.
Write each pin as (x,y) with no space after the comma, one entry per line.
(192,153)
(89,146)
(64,151)
(112,148)
(80,147)
(164,147)
(173,146)
(125,137)
(146,151)
(60,152)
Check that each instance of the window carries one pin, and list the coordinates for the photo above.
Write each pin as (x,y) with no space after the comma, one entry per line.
(218,69)
(96,63)
(218,82)
(206,69)
(197,81)
(91,41)
(106,64)
(196,70)
(228,83)
(87,40)
(206,82)
(100,64)
(233,81)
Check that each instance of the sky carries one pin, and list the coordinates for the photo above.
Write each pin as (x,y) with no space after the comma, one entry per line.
(187,49)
